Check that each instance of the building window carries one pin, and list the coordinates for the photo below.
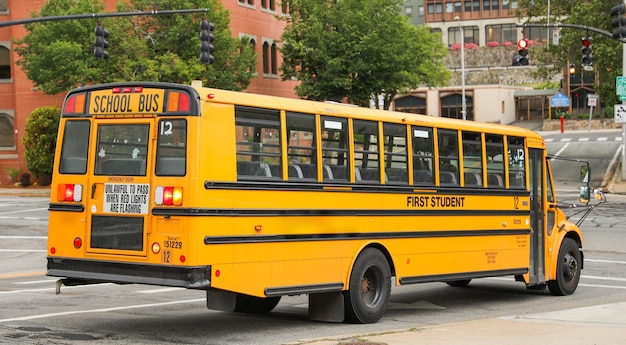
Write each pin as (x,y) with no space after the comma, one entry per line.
(449,7)
(420,11)
(6,131)
(5,63)
(470,32)
(247,2)
(268,5)
(501,33)
(3,6)
(274,56)
(457,6)
(266,58)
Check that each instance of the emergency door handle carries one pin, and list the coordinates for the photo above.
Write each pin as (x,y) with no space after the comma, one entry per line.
(93,190)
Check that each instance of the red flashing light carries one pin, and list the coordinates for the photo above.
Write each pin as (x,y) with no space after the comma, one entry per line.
(78,242)
(70,105)
(183,102)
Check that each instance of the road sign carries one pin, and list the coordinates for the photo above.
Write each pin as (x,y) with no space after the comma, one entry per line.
(559,100)
(592,100)
(620,113)
(620,86)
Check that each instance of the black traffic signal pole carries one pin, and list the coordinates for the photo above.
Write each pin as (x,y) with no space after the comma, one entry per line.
(99,15)
(575,26)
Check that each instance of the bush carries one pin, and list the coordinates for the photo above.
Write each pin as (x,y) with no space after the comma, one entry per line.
(40,140)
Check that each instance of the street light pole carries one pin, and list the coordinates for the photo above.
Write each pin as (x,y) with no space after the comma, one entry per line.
(464,106)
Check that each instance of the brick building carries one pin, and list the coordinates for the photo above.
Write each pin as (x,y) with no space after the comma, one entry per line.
(19,96)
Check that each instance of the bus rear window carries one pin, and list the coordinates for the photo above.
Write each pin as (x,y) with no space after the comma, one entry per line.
(172,148)
(122,149)
(75,147)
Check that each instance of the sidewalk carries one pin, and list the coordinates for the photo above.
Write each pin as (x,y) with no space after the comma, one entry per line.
(603,324)
(25,191)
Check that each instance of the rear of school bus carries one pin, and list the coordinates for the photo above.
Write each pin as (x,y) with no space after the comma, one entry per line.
(123,155)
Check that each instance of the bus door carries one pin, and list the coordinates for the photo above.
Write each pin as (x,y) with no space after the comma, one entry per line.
(117,195)
(537,224)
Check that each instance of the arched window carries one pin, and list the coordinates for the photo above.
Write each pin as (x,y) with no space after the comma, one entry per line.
(266,58)
(274,59)
(5,63)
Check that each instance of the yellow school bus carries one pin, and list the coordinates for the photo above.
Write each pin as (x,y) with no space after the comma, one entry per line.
(253,197)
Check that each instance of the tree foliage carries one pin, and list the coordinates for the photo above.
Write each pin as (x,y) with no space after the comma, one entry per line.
(58,55)
(356,50)
(40,140)
(607,52)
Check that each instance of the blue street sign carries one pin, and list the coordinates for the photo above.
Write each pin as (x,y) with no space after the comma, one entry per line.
(559,100)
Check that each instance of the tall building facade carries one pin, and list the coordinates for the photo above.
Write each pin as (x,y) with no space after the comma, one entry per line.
(487,29)
(19,96)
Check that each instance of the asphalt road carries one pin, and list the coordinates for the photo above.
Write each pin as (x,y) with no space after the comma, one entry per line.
(32,313)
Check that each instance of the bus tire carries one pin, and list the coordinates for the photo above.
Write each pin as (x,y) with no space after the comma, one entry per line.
(459,283)
(568,269)
(367,297)
(255,305)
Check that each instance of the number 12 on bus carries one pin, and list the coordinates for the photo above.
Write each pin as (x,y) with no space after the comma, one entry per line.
(252,198)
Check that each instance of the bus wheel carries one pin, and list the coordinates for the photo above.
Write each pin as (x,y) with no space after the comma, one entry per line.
(459,283)
(255,305)
(567,270)
(370,287)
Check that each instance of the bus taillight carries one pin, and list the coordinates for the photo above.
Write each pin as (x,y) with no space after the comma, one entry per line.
(168,196)
(69,192)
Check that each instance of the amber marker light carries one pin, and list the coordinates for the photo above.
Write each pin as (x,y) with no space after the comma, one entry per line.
(156,247)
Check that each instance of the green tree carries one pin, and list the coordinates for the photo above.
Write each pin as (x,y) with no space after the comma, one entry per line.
(552,59)
(358,50)
(40,140)
(58,55)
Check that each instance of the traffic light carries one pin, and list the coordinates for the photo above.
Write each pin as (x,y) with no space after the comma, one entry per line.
(523,51)
(587,57)
(572,69)
(206,40)
(619,22)
(100,43)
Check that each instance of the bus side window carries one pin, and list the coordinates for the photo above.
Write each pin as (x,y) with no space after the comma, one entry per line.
(448,156)
(472,158)
(301,148)
(258,143)
(422,142)
(495,160)
(366,154)
(395,153)
(335,149)
(517,162)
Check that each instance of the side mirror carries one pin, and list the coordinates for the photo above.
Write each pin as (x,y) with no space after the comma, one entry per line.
(584,194)
(584,174)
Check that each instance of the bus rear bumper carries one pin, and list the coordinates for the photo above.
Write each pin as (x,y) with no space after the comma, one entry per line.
(80,272)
